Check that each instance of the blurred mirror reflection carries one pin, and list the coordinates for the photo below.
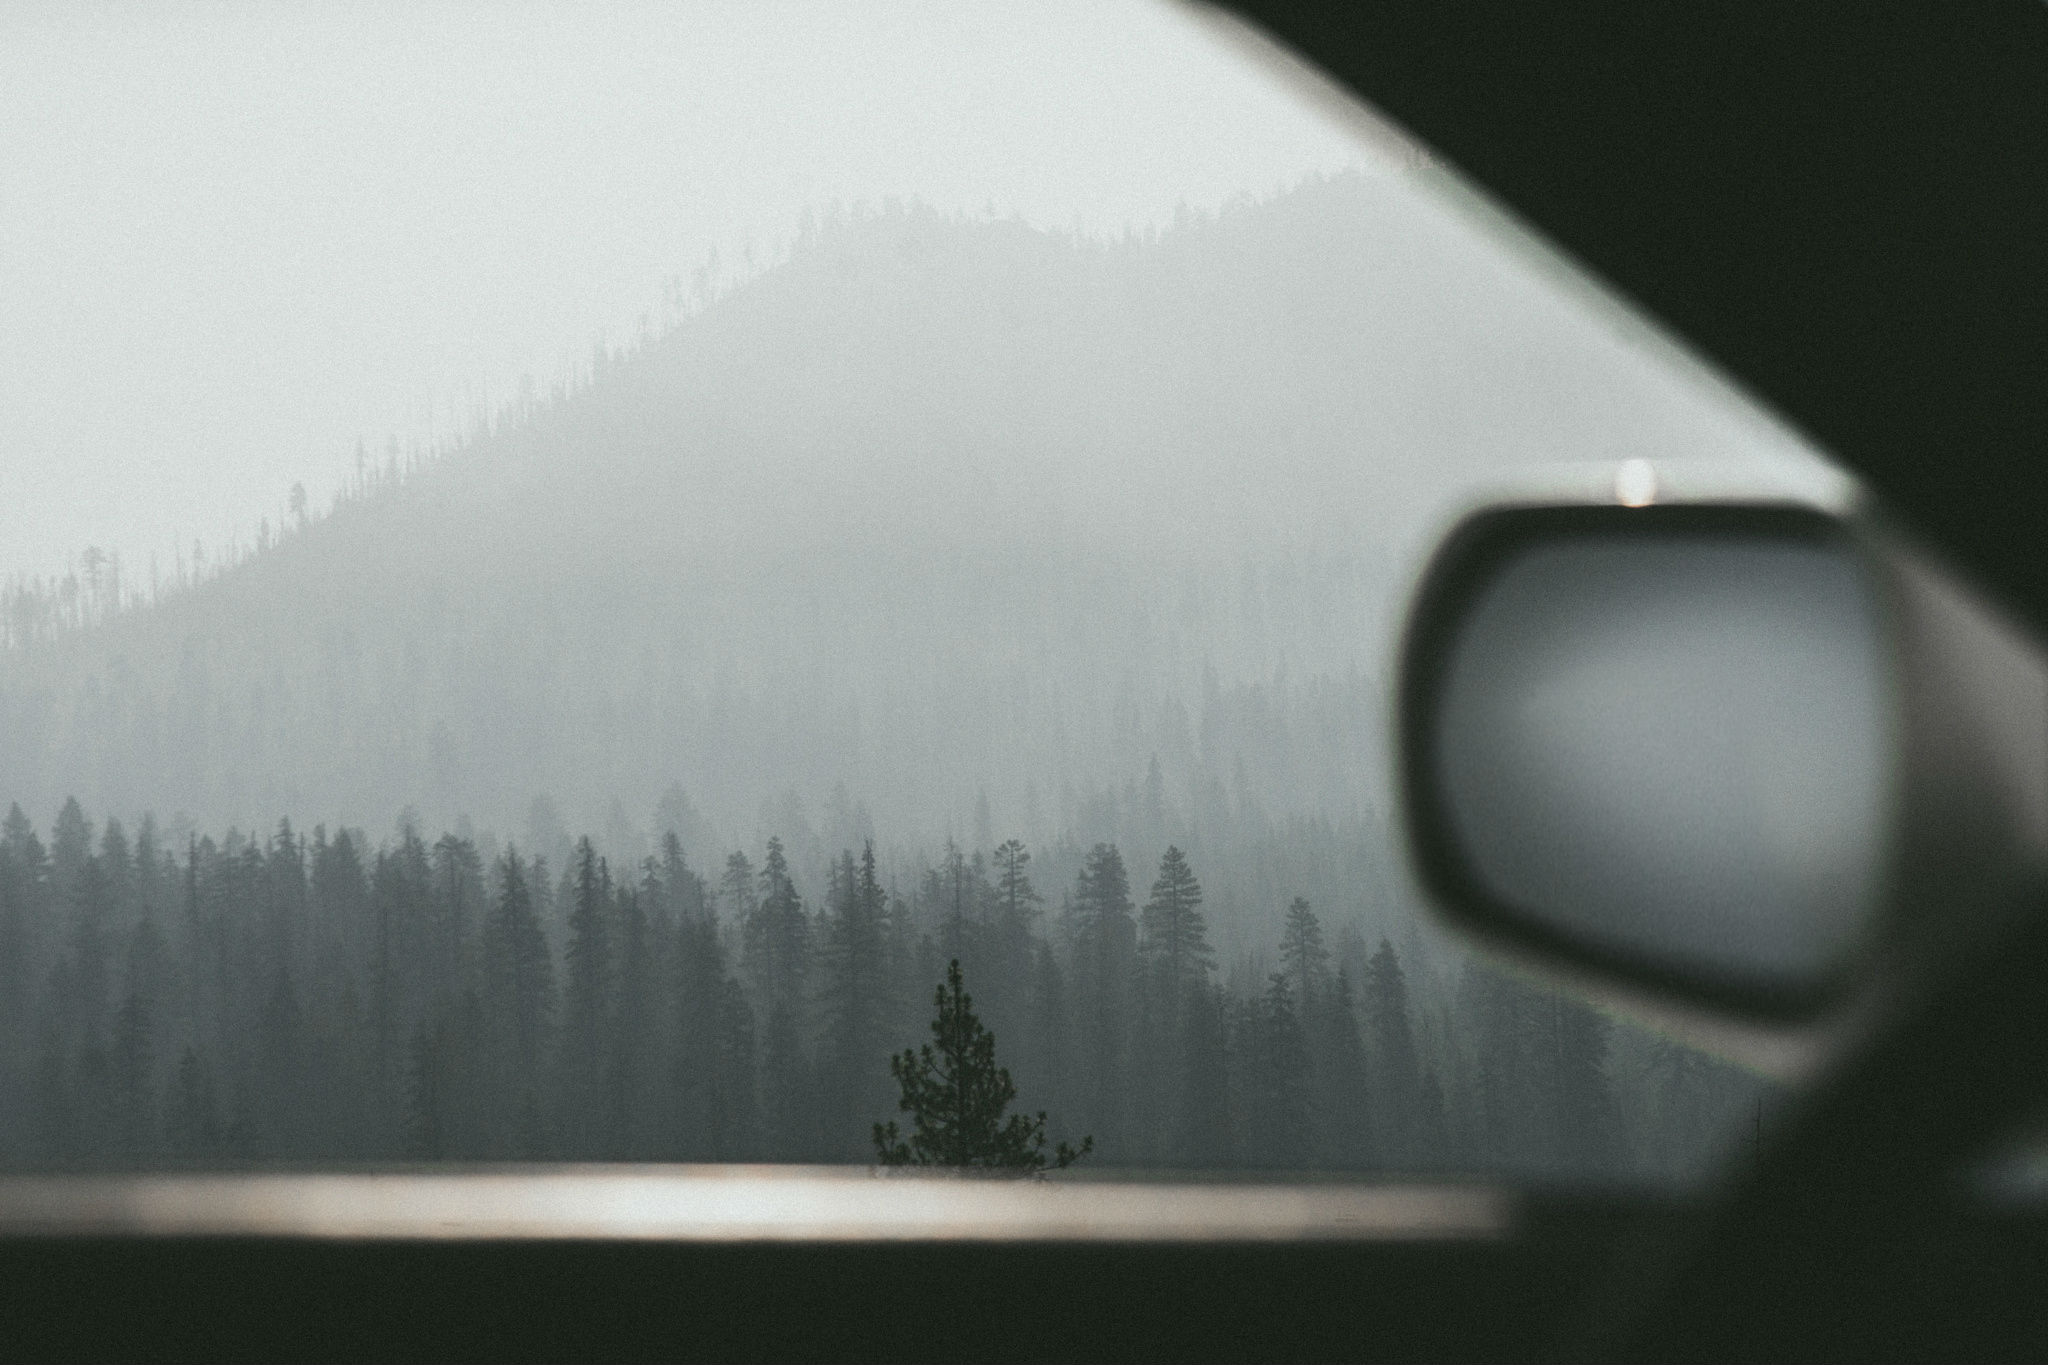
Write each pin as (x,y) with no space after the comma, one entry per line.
(1682,749)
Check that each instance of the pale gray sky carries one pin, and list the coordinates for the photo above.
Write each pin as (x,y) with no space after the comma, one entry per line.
(233,238)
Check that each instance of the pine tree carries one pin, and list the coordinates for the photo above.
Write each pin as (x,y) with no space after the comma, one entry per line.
(1344,1138)
(587,1004)
(775,938)
(1105,967)
(736,888)
(518,976)
(14,975)
(89,999)
(775,954)
(117,872)
(1176,935)
(25,897)
(384,992)
(687,895)
(1279,1082)
(958,1099)
(25,913)
(714,1049)
(339,897)
(1176,960)
(458,891)
(1303,956)
(857,995)
(152,866)
(70,850)
(1007,946)
(1395,1063)
(952,892)
(628,1059)
(1014,891)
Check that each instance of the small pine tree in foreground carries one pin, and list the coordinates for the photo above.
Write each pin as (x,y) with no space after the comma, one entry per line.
(957,1096)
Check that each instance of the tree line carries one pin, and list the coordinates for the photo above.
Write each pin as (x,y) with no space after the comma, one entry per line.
(294,998)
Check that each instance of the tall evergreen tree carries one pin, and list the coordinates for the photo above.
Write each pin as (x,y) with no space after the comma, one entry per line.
(857,996)
(88,1001)
(117,873)
(70,850)
(1016,903)
(1396,1066)
(1303,956)
(958,1099)
(284,908)
(632,1057)
(15,976)
(1176,935)
(1344,1117)
(1280,1104)
(952,892)
(1105,967)
(26,894)
(518,992)
(736,888)
(587,1004)
(711,1100)
(1014,891)
(456,906)
(776,951)
(775,937)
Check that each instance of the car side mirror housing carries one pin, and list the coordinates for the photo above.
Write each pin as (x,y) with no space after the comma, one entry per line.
(1744,756)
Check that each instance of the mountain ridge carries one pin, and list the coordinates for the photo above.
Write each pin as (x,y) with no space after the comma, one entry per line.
(936,512)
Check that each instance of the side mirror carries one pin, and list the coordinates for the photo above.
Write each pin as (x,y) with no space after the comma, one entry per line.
(1742,755)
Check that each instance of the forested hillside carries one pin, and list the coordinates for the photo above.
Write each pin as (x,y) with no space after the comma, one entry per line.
(317,999)
(933,509)
(938,533)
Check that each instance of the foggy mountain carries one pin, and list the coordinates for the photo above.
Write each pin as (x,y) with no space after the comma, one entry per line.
(937,527)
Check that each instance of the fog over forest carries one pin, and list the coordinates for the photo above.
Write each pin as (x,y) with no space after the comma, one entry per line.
(941,529)
(935,510)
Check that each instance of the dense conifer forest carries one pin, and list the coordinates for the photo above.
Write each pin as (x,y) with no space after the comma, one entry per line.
(998,594)
(288,997)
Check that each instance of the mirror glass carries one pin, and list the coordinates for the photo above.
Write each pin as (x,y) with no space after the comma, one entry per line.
(1678,748)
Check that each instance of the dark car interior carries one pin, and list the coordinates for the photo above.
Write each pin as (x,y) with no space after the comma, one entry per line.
(1843,209)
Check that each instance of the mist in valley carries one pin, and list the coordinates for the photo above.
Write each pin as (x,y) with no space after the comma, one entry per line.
(942,531)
